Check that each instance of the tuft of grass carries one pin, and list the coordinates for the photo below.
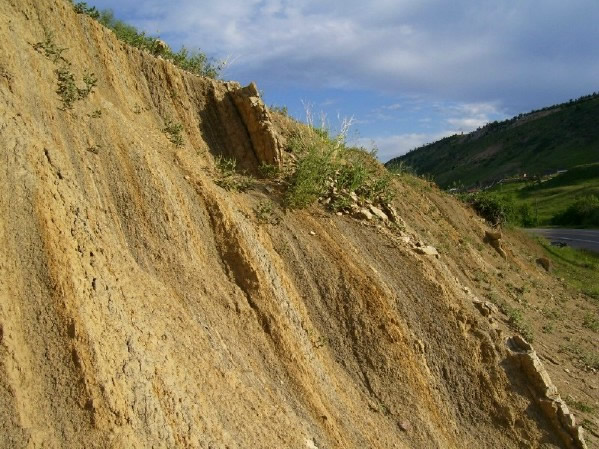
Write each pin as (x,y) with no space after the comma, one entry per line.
(325,164)
(229,178)
(590,321)
(585,357)
(195,62)
(174,131)
(269,171)
(517,321)
(578,267)
(579,405)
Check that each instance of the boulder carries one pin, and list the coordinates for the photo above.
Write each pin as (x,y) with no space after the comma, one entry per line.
(545,263)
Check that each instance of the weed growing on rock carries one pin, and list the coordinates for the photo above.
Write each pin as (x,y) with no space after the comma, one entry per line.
(174,131)
(229,178)
(67,88)
(90,81)
(49,48)
(516,320)
(579,405)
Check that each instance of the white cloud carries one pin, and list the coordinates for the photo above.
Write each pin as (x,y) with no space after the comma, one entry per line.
(521,53)
(466,117)
(392,146)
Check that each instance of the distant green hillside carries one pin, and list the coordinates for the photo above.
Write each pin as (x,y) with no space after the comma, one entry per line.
(545,201)
(555,138)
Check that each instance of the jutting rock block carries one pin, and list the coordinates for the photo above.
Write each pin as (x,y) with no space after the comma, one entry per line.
(546,394)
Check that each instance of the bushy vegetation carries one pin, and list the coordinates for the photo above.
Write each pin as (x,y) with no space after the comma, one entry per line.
(67,87)
(583,212)
(496,209)
(326,165)
(195,62)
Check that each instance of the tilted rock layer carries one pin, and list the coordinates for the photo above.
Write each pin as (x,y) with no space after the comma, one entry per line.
(141,305)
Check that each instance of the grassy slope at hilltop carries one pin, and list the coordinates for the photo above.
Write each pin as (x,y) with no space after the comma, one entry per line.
(555,138)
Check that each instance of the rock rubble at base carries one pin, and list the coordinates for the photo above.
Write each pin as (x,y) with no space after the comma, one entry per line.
(545,393)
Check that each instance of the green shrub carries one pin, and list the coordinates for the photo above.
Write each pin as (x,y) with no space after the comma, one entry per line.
(326,164)
(497,209)
(309,181)
(526,216)
(67,89)
(82,8)
(584,212)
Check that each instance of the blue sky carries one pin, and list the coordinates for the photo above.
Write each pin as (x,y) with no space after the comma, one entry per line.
(407,71)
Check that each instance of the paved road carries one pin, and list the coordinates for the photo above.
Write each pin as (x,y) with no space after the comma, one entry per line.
(577,238)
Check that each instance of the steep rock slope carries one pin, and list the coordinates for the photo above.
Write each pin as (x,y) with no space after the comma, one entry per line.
(141,305)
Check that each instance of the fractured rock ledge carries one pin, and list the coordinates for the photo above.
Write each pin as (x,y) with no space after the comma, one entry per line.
(545,393)
(258,122)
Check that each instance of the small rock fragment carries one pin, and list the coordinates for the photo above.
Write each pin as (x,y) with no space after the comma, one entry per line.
(379,213)
(427,250)
(404,425)
(363,214)
(486,308)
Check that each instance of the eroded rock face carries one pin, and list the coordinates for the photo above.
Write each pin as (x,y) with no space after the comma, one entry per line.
(493,238)
(257,120)
(546,394)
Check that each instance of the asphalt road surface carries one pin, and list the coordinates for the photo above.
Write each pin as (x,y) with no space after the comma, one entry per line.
(576,238)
